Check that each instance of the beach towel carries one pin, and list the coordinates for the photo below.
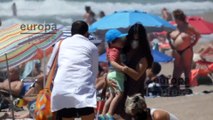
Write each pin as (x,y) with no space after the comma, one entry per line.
(29,68)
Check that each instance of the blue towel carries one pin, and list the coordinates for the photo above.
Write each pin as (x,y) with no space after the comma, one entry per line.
(29,67)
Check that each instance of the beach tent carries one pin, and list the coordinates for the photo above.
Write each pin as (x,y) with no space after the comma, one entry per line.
(124,19)
(158,57)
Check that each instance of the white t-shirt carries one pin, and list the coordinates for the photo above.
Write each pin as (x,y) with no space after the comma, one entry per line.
(74,83)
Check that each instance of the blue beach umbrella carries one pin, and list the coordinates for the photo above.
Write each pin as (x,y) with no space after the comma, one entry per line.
(124,19)
(158,57)
(103,58)
(161,57)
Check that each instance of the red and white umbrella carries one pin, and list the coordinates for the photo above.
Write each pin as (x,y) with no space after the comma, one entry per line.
(200,24)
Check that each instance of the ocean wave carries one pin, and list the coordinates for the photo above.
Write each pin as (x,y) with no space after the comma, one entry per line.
(15,20)
(59,7)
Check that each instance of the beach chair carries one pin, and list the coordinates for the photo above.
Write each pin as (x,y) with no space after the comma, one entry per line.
(203,68)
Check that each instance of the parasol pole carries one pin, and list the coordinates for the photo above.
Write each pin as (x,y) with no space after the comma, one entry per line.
(44,61)
(10,91)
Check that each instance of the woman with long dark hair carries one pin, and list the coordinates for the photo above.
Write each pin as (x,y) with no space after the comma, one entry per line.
(137,58)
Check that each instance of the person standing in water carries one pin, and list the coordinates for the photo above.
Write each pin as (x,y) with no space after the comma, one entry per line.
(14,9)
(182,41)
(166,15)
(101,14)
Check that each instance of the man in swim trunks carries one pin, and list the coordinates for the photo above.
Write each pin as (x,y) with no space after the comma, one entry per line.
(183,40)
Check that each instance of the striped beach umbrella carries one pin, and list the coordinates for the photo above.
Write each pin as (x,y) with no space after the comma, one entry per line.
(14,35)
(19,45)
(24,47)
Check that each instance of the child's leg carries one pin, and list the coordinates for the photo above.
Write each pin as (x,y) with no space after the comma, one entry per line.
(115,102)
(107,104)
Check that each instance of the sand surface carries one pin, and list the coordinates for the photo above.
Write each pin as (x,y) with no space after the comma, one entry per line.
(195,107)
(198,106)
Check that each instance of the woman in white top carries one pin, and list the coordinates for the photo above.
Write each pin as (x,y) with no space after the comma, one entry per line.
(137,108)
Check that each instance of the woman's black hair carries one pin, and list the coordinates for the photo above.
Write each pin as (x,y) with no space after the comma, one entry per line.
(144,48)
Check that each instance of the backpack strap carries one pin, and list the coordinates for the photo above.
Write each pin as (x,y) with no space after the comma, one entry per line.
(53,68)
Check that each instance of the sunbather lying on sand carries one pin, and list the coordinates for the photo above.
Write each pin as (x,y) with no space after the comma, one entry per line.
(22,89)
(16,84)
(18,88)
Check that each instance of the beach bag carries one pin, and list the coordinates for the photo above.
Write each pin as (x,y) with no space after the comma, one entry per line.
(154,89)
(42,108)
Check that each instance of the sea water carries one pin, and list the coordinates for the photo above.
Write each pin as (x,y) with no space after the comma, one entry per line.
(66,11)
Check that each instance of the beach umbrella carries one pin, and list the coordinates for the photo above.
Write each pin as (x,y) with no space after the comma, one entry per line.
(158,57)
(200,24)
(36,49)
(30,50)
(13,35)
(18,46)
(161,57)
(124,19)
(103,58)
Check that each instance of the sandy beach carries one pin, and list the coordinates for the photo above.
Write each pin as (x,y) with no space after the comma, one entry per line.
(198,106)
(193,107)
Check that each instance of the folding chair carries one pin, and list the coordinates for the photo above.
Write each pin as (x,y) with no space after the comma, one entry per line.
(203,68)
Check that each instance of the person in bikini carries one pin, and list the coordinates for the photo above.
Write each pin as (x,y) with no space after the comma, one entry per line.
(182,41)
